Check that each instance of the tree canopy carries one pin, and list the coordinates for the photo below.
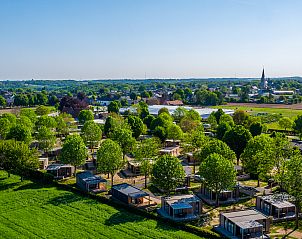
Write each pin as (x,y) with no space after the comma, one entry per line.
(218,174)
(167,173)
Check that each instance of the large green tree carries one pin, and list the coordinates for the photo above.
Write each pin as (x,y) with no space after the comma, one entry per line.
(85,115)
(20,132)
(74,151)
(167,173)
(285,123)
(46,139)
(237,138)
(218,174)
(294,182)
(136,124)
(110,158)
(215,146)
(91,133)
(258,156)
(146,152)
(16,157)
(174,132)
(114,107)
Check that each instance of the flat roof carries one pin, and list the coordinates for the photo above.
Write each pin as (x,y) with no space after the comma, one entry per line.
(169,149)
(57,166)
(182,199)
(238,217)
(89,178)
(278,200)
(249,224)
(130,190)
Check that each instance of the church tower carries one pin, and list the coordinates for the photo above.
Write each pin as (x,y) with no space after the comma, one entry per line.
(263,83)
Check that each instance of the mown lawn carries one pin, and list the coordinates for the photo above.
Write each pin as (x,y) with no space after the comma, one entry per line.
(31,210)
(292,113)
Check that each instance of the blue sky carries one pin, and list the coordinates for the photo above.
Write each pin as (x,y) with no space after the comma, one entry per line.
(99,39)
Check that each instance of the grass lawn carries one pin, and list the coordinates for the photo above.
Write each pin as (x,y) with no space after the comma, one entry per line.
(31,210)
(284,112)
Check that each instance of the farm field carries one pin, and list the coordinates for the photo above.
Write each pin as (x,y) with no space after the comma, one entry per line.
(285,110)
(31,210)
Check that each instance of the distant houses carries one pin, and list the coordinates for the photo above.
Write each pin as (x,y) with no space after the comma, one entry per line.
(173,151)
(91,183)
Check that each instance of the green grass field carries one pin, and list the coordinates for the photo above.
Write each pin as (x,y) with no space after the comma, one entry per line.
(29,210)
(292,113)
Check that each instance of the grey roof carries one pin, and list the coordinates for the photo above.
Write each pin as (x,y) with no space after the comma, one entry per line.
(245,218)
(249,224)
(278,200)
(130,190)
(57,166)
(90,178)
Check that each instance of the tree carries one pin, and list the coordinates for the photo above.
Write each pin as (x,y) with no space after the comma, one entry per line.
(163,110)
(179,113)
(63,122)
(218,174)
(17,157)
(148,120)
(237,139)
(218,147)
(29,113)
(258,156)
(294,182)
(4,127)
(111,123)
(298,124)
(42,110)
(218,114)
(256,128)
(109,158)
(227,119)
(145,151)
(240,117)
(74,151)
(163,120)
(114,106)
(174,132)
(212,121)
(142,110)
(23,120)
(222,128)
(167,173)
(11,117)
(20,132)
(91,133)
(136,124)
(285,123)
(123,136)
(160,132)
(85,115)
(2,101)
(46,138)
(46,121)
(133,96)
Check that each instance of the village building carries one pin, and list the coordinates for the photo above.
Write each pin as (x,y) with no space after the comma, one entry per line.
(181,207)
(60,171)
(243,224)
(91,183)
(173,151)
(131,195)
(172,143)
(276,206)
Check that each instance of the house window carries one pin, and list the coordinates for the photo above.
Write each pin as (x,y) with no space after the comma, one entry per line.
(230,227)
(266,208)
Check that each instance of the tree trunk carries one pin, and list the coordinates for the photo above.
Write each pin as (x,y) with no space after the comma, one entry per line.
(75,170)
(237,161)
(258,182)
(112,175)
(217,199)
(145,180)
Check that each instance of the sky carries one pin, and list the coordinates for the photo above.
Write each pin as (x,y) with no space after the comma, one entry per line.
(118,39)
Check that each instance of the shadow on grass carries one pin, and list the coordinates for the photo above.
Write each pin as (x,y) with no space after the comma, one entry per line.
(5,186)
(122,217)
(65,199)
(31,185)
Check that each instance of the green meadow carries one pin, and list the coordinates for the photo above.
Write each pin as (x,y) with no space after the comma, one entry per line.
(31,210)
